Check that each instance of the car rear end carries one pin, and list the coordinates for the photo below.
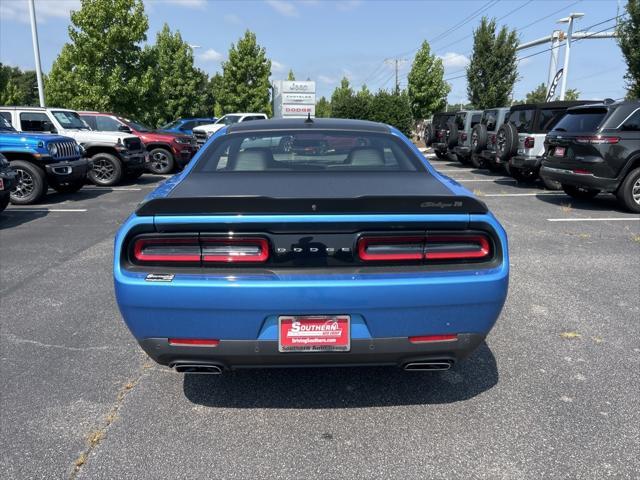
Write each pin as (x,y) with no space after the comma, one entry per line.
(582,149)
(465,122)
(441,124)
(352,265)
(493,120)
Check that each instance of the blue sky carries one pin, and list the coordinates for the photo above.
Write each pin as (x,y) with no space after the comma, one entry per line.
(328,39)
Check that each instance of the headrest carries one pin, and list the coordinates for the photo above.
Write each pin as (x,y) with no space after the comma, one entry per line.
(254,159)
(365,156)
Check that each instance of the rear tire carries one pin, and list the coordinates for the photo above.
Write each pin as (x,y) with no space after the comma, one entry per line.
(580,193)
(161,161)
(69,188)
(477,161)
(31,186)
(506,142)
(629,191)
(454,134)
(429,135)
(551,184)
(479,138)
(106,170)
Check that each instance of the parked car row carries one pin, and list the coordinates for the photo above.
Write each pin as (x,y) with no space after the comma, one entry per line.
(62,148)
(582,147)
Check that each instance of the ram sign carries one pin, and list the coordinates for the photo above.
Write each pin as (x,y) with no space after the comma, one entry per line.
(293,99)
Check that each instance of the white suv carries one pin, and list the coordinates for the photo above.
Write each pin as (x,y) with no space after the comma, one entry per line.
(112,155)
(203,132)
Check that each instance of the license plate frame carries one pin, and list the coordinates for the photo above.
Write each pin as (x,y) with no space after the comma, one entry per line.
(314,333)
(559,152)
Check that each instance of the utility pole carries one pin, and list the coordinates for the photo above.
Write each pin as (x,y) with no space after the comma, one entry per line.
(397,62)
(36,51)
(567,50)
(556,36)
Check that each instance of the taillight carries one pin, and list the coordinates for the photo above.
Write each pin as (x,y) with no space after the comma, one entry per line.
(457,247)
(390,248)
(529,142)
(433,338)
(582,172)
(232,249)
(598,140)
(166,250)
(463,136)
(199,249)
(493,139)
(439,134)
(432,247)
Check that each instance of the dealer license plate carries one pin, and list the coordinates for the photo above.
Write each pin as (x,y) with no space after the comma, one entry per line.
(559,152)
(314,333)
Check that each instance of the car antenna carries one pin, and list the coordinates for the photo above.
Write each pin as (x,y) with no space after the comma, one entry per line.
(309,119)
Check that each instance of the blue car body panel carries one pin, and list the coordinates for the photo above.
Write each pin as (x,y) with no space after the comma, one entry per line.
(246,306)
(178,129)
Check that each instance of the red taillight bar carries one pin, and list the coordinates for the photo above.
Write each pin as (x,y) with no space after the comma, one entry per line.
(194,342)
(168,256)
(390,242)
(429,247)
(433,338)
(598,140)
(482,250)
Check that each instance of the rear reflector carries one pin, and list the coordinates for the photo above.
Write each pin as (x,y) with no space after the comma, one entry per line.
(598,140)
(583,172)
(433,338)
(231,250)
(390,248)
(197,342)
(166,250)
(430,247)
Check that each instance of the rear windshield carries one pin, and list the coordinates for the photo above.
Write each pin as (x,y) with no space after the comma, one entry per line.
(460,120)
(292,151)
(581,120)
(441,121)
(522,119)
(548,117)
(490,119)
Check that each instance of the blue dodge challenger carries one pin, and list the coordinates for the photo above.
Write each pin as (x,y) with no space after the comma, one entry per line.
(310,243)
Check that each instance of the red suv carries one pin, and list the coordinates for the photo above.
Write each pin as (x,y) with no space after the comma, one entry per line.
(166,150)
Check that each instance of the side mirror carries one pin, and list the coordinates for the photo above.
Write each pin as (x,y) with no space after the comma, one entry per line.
(124,128)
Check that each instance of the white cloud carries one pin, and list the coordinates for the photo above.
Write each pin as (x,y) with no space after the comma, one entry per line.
(277,66)
(454,60)
(283,8)
(232,18)
(199,4)
(326,79)
(45,9)
(210,55)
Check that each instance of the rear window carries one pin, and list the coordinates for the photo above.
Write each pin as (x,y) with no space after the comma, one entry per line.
(522,120)
(581,120)
(475,119)
(547,118)
(460,121)
(489,118)
(292,151)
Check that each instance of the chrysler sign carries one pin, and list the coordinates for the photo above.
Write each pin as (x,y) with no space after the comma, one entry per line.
(292,98)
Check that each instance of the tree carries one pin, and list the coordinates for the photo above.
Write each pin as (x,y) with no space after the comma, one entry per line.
(245,83)
(103,68)
(323,108)
(426,86)
(180,88)
(18,87)
(364,103)
(393,109)
(493,71)
(629,41)
(291,75)
(539,94)
(343,101)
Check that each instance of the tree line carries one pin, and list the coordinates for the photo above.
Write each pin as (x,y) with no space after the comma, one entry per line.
(107,65)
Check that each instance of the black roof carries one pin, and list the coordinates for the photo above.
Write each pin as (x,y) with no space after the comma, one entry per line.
(304,124)
(630,104)
(556,104)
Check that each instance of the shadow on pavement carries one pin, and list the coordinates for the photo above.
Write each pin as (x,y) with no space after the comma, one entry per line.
(357,387)
(13,217)
(602,203)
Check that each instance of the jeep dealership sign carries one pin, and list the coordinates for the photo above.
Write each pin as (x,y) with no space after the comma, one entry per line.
(294,99)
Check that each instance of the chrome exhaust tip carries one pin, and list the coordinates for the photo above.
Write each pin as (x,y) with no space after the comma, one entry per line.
(201,369)
(433,366)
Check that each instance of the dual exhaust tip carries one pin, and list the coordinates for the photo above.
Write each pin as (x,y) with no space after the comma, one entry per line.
(209,369)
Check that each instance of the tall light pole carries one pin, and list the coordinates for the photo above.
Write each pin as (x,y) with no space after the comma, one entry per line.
(553,61)
(567,50)
(36,51)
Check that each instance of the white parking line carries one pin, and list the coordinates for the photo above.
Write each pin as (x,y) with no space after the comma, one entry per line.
(116,189)
(548,194)
(510,180)
(39,210)
(606,219)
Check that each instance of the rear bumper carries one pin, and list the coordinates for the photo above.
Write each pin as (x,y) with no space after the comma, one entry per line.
(65,172)
(529,163)
(489,155)
(440,147)
(462,151)
(232,354)
(134,160)
(568,177)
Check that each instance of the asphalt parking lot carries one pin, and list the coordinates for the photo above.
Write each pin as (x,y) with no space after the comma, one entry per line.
(552,394)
